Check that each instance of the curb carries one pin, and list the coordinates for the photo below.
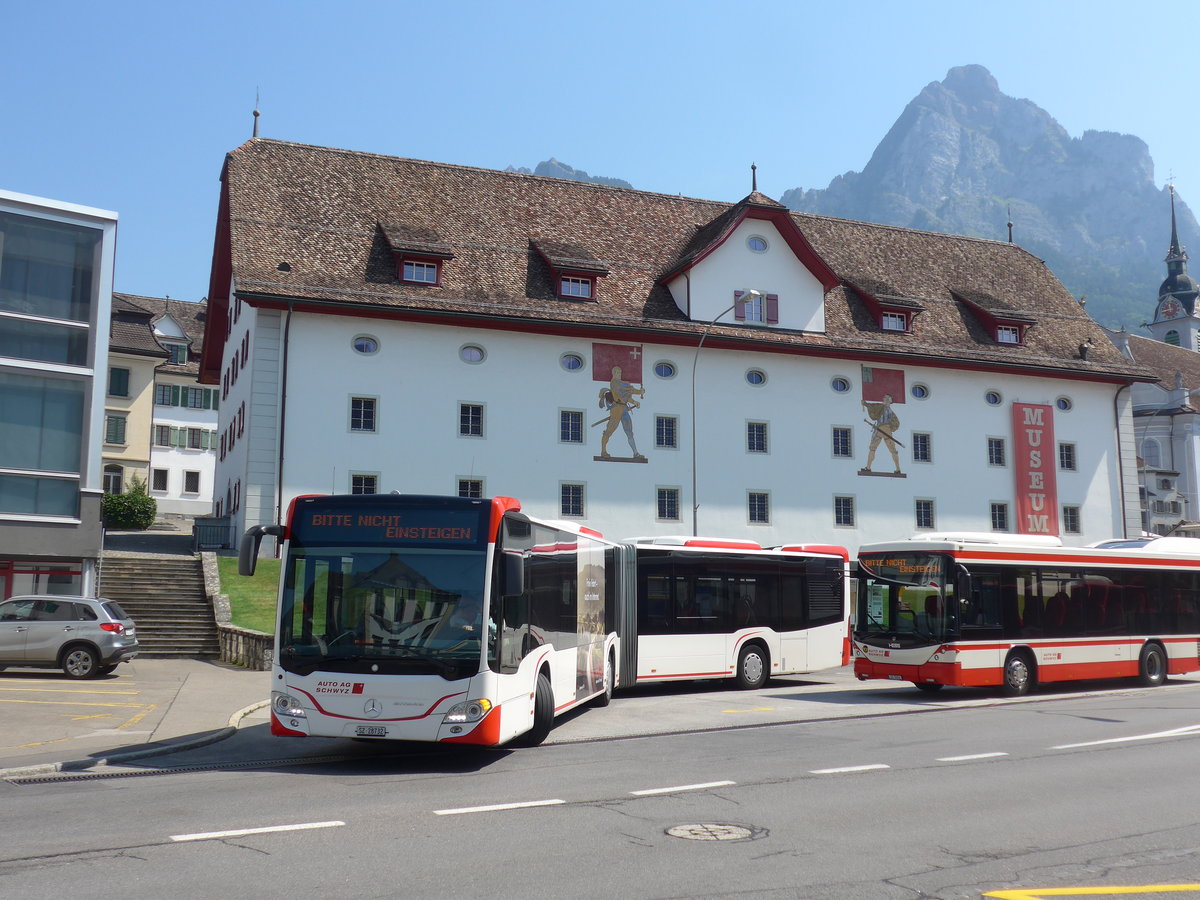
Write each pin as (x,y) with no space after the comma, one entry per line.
(114,759)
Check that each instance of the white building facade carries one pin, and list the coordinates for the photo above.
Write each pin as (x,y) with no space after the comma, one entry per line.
(651,365)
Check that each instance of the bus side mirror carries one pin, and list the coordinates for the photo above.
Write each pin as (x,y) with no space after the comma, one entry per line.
(248,550)
(513,575)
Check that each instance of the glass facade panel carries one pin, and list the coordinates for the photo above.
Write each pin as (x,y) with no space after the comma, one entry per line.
(41,422)
(43,342)
(47,268)
(26,495)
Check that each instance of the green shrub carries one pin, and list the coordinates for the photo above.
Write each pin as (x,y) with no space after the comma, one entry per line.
(134,510)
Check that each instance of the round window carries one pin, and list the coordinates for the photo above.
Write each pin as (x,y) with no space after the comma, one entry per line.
(1064,403)
(993,398)
(840,385)
(664,369)
(756,376)
(365,344)
(757,243)
(572,362)
(472,353)
(920,391)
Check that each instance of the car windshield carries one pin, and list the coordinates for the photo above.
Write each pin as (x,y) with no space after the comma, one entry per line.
(905,596)
(359,609)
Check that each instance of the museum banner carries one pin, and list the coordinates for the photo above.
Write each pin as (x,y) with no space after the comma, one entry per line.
(1034,452)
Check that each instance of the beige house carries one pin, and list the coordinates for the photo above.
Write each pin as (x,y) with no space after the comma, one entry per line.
(133,356)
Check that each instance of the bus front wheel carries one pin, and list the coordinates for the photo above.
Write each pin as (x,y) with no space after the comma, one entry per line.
(1019,676)
(752,667)
(928,687)
(543,712)
(1152,666)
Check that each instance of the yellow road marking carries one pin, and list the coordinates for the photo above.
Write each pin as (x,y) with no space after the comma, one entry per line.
(83,718)
(145,712)
(60,691)
(1038,894)
(70,703)
(751,709)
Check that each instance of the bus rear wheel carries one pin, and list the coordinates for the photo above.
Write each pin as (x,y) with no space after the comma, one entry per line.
(752,667)
(605,697)
(543,713)
(1152,666)
(928,686)
(1019,676)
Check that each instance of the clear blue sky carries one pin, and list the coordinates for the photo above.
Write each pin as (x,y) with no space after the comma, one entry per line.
(131,106)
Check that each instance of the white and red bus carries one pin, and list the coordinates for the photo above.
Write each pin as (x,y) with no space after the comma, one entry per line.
(1015,610)
(462,620)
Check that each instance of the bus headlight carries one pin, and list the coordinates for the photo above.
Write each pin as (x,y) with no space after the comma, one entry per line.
(468,711)
(287,706)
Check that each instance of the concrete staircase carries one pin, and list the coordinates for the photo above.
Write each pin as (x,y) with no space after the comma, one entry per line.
(165,597)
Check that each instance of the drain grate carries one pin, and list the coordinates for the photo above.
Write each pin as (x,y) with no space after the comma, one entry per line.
(708,831)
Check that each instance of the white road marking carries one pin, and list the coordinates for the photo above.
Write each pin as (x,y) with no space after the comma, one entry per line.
(1174,732)
(498,806)
(682,787)
(242,832)
(842,769)
(971,756)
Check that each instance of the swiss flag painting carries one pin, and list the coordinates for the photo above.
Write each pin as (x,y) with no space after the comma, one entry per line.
(628,357)
(876,382)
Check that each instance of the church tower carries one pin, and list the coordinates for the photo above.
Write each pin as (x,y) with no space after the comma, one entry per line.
(1175,319)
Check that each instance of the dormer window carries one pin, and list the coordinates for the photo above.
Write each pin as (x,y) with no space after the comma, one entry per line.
(755,306)
(575,287)
(1008,334)
(420,271)
(179,354)
(893,321)
(893,311)
(1006,324)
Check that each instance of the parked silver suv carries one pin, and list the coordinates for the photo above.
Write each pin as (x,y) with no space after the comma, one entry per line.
(84,636)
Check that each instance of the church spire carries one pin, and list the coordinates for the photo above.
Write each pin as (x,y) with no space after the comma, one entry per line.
(1175,253)
(1178,292)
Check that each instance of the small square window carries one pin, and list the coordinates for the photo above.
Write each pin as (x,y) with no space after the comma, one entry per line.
(843,512)
(666,432)
(996,452)
(570,426)
(922,447)
(571,500)
(118,382)
(470,419)
(1070,520)
(362,413)
(470,487)
(162,395)
(363,483)
(1008,334)
(196,439)
(191,482)
(668,504)
(843,443)
(158,480)
(756,437)
(923,513)
(162,435)
(752,308)
(1066,457)
(999,517)
(891,321)
(575,288)
(758,507)
(419,272)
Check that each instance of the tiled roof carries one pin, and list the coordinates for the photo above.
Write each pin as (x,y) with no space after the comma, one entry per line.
(320,211)
(190,316)
(1166,361)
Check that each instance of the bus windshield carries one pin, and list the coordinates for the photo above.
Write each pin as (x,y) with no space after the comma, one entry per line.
(905,597)
(378,610)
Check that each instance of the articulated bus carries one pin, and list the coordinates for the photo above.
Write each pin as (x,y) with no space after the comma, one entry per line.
(1015,610)
(462,620)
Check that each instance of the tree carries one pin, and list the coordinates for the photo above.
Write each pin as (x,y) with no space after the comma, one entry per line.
(134,510)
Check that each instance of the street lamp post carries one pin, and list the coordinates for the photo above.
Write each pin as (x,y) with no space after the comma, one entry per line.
(748,295)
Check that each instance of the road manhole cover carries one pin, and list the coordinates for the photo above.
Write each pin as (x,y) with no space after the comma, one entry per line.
(711,832)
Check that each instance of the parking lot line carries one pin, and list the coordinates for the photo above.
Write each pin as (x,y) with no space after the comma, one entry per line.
(71,703)
(20,690)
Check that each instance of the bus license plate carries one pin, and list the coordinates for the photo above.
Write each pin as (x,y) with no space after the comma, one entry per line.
(371,731)
(896,677)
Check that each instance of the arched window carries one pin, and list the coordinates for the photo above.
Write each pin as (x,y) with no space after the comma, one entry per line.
(113,479)
(1152,453)
(1172,338)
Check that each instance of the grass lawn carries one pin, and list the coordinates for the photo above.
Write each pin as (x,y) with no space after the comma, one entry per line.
(251,600)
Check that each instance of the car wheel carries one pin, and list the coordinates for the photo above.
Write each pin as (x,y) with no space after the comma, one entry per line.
(81,662)
(927,686)
(751,667)
(1152,666)
(1019,676)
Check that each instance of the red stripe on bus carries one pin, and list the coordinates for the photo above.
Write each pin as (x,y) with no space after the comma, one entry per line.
(331,715)
(724,674)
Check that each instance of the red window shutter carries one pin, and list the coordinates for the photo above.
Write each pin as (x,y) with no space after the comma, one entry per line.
(739,310)
(772,309)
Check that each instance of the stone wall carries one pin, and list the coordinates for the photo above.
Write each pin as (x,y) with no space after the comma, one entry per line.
(239,646)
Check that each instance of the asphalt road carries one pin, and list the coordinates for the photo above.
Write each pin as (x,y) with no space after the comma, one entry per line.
(1068,790)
